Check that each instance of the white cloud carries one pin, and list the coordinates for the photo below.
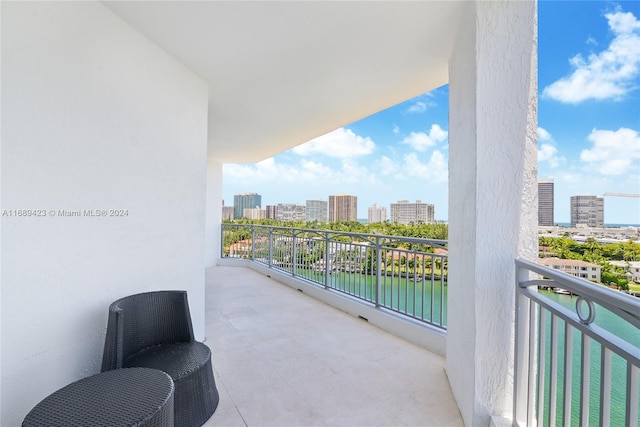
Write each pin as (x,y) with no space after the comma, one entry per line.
(386,166)
(547,152)
(609,74)
(341,143)
(435,170)
(418,107)
(420,141)
(613,152)
(421,103)
(543,135)
(396,129)
(269,170)
(299,175)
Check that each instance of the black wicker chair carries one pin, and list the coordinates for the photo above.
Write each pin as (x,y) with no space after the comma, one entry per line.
(154,330)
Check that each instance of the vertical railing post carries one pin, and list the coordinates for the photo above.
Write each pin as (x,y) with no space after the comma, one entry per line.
(294,252)
(378,272)
(270,245)
(253,243)
(521,353)
(327,258)
(222,241)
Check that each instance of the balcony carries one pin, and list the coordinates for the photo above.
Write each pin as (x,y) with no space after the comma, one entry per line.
(285,359)
(134,107)
(361,273)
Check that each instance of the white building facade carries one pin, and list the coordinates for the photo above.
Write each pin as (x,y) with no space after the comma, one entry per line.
(631,267)
(575,267)
(317,210)
(376,214)
(290,212)
(405,212)
(587,211)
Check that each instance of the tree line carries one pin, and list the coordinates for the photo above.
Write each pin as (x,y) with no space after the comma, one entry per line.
(594,252)
(562,247)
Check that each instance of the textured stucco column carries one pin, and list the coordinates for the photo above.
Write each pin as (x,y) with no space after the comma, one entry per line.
(492,198)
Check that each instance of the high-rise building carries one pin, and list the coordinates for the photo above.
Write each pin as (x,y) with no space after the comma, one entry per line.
(343,207)
(290,212)
(404,212)
(376,214)
(587,210)
(227,213)
(271,211)
(245,201)
(317,210)
(545,202)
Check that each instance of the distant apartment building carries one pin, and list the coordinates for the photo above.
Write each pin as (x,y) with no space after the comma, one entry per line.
(587,211)
(255,213)
(376,214)
(317,210)
(227,213)
(245,201)
(290,212)
(578,268)
(545,202)
(343,207)
(271,211)
(405,212)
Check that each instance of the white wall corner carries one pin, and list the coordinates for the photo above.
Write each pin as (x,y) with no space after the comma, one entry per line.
(213,210)
(94,117)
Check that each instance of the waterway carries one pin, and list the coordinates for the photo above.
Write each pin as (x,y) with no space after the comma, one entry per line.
(417,297)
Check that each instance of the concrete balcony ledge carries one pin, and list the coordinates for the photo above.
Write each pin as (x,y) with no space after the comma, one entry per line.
(282,358)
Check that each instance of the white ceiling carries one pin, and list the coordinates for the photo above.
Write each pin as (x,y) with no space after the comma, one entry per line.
(282,73)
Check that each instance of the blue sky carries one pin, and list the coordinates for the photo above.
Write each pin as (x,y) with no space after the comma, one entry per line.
(588,136)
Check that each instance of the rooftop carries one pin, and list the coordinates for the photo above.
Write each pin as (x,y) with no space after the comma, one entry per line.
(569,262)
(282,358)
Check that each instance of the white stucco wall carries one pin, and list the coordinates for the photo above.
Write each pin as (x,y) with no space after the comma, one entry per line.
(213,210)
(492,198)
(94,116)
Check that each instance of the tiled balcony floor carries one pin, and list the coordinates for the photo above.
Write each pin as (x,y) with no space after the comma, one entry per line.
(282,358)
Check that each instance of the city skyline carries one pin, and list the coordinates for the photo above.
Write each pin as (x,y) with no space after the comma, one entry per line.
(545,187)
(588,135)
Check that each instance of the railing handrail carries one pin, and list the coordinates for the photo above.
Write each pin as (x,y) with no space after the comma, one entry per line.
(420,240)
(625,306)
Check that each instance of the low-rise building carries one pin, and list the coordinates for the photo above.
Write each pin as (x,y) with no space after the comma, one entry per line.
(290,212)
(256,213)
(631,267)
(578,268)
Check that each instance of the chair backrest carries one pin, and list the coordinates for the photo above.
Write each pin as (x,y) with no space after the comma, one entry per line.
(143,320)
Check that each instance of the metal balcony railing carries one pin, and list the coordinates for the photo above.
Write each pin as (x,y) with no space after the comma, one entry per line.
(402,274)
(577,357)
